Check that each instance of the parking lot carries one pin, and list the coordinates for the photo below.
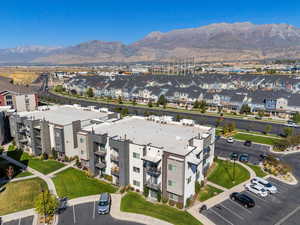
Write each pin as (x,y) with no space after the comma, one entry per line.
(21,221)
(272,209)
(85,214)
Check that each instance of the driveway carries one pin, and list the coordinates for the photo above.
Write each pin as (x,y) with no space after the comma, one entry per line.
(85,214)
(21,221)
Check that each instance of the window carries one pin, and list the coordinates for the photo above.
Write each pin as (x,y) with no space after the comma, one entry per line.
(136,155)
(136,183)
(189,180)
(81,140)
(172,167)
(136,169)
(171,183)
(82,152)
(173,197)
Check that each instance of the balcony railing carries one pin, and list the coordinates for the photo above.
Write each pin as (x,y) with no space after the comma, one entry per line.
(115,171)
(153,171)
(100,165)
(153,185)
(100,153)
(114,158)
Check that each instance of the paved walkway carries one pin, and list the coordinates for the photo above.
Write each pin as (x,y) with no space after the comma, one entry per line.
(194,210)
(17,215)
(61,169)
(216,186)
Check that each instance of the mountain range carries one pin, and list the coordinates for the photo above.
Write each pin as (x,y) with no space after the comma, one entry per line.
(215,42)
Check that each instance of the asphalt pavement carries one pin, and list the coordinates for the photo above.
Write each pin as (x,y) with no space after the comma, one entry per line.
(21,221)
(85,214)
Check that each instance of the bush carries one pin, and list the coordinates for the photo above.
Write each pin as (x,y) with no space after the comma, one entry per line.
(179,205)
(164,200)
(215,158)
(188,202)
(137,190)
(146,191)
(171,203)
(197,187)
(159,196)
(108,177)
(45,156)
(122,190)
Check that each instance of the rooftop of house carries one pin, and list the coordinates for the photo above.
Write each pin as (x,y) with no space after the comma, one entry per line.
(172,137)
(66,114)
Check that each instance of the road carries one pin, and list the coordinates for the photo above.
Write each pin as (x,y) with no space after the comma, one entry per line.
(258,126)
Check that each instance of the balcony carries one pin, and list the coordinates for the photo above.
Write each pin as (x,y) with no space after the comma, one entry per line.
(100,165)
(22,130)
(153,171)
(152,185)
(114,158)
(23,141)
(115,171)
(100,153)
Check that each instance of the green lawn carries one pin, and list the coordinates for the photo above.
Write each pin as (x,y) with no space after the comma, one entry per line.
(224,171)
(23,174)
(20,195)
(257,169)
(73,183)
(43,166)
(207,192)
(135,203)
(257,139)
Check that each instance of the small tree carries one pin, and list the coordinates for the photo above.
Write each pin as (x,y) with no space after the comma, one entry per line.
(10,172)
(44,156)
(288,131)
(158,195)
(197,187)
(59,88)
(134,102)
(150,105)
(146,191)
(54,153)
(261,113)
(196,104)
(161,100)
(46,203)
(203,106)
(268,129)
(90,92)
(296,117)
(120,101)
(231,126)
(245,109)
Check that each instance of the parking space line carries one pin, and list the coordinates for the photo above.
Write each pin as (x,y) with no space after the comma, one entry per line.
(222,217)
(247,210)
(287,216)
(256,196)
(94,210)
(20,221)
(74,217)
(234,213)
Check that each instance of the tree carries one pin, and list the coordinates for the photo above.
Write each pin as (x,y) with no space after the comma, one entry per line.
(296,117)
(59,88)
(158,195)
(261,113)
(225,129)
(268,129)
(146,191)
(120,101)
(54,153)
(197,187)
(90,92)
(134,102)
(288,131)
(245,109)
(231,126)
(203,106)
(161,100)
(10,172)
(46,203)
(150,105)
(196,104)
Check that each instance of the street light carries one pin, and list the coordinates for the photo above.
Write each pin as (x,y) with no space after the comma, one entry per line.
(234,170)
(45,216)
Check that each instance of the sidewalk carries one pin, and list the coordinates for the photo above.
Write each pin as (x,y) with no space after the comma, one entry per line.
(61,169)
(18,215)
(194,210)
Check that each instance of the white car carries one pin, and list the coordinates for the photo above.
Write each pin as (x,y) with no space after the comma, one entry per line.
(256,189)
(266,184)
(230,140)
(292,124)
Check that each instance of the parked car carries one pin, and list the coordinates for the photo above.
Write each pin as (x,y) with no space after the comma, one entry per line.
(256,189)
(244,158)
(234,156)
(248,143)
(242,199)
(104,203)
(291,123)
(263,156)
(230,140)
(266,184)
(63,204)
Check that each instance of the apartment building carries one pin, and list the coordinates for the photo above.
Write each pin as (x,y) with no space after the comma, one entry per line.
(5,112)
(20,102)
(156,153)
(54,128)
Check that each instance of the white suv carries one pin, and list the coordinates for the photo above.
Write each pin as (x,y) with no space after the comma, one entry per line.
(256,189)
(266,184)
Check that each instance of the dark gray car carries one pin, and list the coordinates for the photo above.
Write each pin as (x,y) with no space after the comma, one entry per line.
(104,203)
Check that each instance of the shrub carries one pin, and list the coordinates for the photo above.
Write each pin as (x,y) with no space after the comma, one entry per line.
(137,190)
(179,205)
(197,187)
(215,158)
(122,190)
(44,156)
(188,202)
(159,196)
(107,177)
(146,191)
(171,203)
(164,200)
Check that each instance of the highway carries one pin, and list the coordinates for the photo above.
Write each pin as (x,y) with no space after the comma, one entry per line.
(258,126)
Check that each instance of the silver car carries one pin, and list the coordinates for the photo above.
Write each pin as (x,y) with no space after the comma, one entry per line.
(104,203)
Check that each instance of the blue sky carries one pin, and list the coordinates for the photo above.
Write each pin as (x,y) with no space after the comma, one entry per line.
(69,22)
